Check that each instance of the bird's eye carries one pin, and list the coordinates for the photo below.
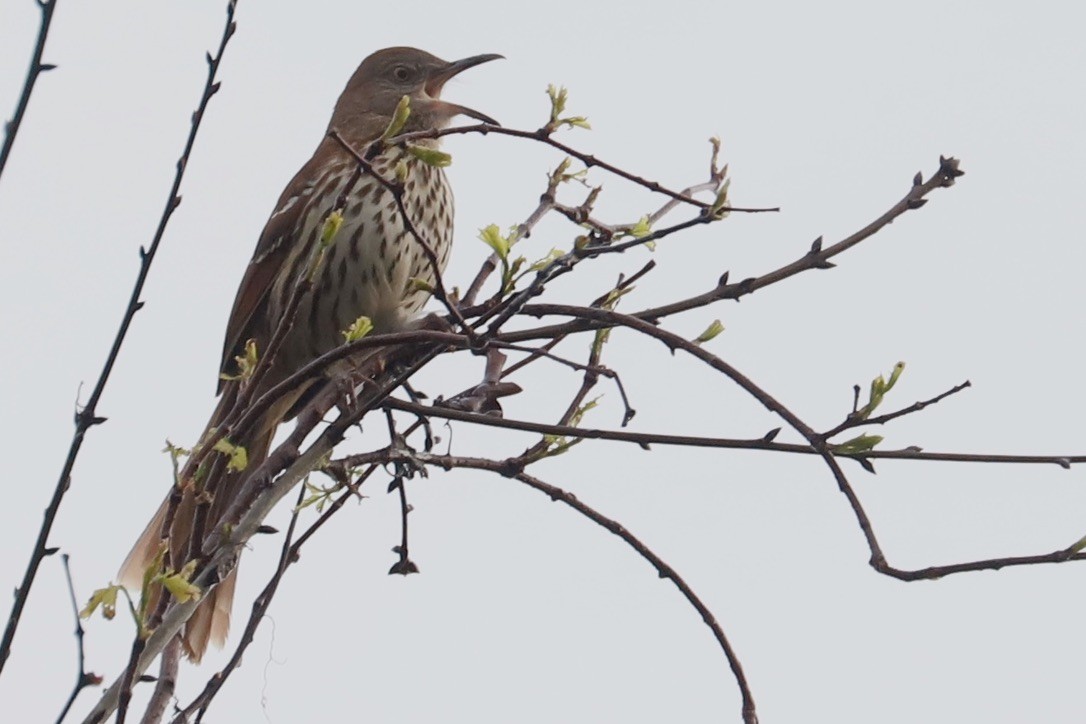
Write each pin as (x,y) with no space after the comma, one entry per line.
(401,73)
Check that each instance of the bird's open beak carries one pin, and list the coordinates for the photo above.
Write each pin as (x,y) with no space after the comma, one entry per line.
(437,79)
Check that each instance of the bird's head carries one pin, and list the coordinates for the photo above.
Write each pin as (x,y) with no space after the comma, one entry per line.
(369,101)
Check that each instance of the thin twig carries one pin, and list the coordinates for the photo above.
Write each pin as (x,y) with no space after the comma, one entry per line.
(587,159)
(647,439)
(83,678)
(855,421)
(523,231)
(817,257)
(11,128)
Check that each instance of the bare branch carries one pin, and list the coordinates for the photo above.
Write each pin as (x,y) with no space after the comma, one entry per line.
(587,159)
(83,678)
(11,128)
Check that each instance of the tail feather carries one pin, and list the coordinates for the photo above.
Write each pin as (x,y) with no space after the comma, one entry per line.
(210,622)
(144,552)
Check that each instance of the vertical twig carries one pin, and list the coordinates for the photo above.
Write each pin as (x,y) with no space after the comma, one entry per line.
(11,128)
(84,678)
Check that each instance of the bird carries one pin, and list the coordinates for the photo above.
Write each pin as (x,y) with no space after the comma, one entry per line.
(372,268)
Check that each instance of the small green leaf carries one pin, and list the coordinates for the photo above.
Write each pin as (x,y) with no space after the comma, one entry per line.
(576,417)
(562,174)
(246,363)
(879,387)
(430,156)
(492,237)
(610,300)
(421,285)
(898,369)
(711,331)
(106,598)
(642,228)
(358,329)
(179,585)
(399,118)
(150,575)
(176,452)
(600,339)
(714,141)
(239,459)
(1078,545)
(332,222)
(318,496)
(720,208)
(860,444)
(552,256)
(558,96)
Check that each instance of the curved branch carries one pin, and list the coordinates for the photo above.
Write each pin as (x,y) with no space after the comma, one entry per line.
(665,571)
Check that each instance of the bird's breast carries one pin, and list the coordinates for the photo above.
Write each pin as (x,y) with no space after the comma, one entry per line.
(379,264)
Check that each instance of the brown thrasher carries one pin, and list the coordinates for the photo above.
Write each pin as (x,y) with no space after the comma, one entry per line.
(367,271)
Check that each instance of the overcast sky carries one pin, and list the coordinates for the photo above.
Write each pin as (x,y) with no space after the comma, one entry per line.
(524,611)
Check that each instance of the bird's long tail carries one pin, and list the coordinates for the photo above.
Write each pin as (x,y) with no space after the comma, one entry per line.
(210,622)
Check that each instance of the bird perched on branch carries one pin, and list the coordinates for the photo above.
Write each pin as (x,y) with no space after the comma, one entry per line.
(312,288)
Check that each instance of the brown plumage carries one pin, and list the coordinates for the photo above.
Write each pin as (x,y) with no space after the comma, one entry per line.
(367,271)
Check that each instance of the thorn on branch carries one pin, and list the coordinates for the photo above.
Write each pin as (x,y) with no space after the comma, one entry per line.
(950,169)
(85,419)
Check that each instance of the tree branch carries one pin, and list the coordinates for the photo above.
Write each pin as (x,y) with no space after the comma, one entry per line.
(11,128)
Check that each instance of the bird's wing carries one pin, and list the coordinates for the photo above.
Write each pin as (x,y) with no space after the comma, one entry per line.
(271,254)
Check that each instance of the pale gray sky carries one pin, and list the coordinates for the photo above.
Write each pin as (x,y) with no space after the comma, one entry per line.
(524,611)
